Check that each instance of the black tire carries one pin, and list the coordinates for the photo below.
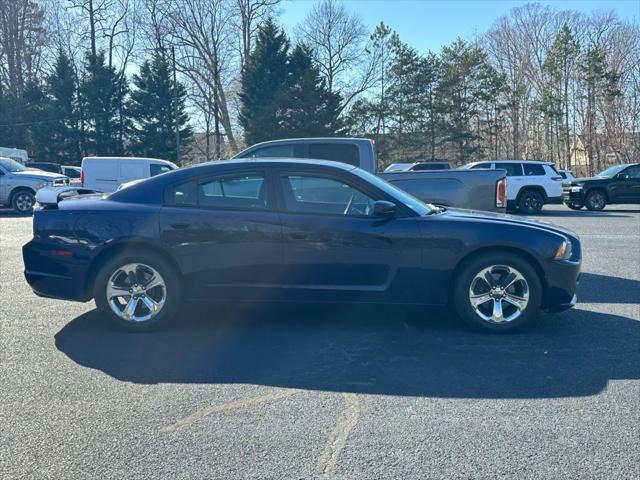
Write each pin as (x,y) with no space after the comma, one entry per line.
(530,202)
(464,282)
(596,200)
(172,290)
(23,201)
(574,206)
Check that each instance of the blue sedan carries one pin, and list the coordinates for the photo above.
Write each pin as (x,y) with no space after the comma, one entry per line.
(293,230)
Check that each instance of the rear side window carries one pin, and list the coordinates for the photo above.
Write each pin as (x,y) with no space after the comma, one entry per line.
(513,169)
(338,152)
(239,191)
(533,169)
(157,169)
(274,151)
(182,194)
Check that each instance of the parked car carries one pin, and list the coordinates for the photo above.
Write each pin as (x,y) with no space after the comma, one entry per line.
(567,175)
(71,171)
(417,166)
(530,184)
(106,174)
(619,184)
(18,184)
(293,230)
(45,166)
(481,190)
(16,154)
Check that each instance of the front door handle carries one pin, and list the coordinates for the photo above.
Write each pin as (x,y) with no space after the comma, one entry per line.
(179,226)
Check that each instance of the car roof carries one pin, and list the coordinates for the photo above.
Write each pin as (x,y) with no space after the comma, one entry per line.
(275,161)
(538,162)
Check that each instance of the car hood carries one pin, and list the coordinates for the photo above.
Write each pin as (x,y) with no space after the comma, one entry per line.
(38,175)
(491,217)
(576,181)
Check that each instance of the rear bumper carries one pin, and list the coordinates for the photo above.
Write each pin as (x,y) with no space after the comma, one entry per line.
(53,276)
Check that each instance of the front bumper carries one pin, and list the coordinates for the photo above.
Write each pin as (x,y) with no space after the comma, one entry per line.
(562,279)
(572,197)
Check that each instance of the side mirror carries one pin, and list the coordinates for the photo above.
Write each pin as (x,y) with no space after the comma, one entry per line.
(382,208)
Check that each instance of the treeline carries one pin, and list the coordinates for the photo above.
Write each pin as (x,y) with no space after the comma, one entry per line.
(97,76)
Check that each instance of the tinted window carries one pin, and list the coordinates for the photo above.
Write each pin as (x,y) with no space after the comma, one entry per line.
(633,172)
(338,152)
(238,191)
(157,169)
(563,175)
(430,166)
(533,169)
(71,173)
(513,169)
(316,194)
(182,194)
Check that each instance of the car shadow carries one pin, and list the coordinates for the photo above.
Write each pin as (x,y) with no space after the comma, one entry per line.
(596,288)
(364,350)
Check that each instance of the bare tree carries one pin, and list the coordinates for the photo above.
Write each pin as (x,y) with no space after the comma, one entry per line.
(338,40)
(22,38)
(250,14)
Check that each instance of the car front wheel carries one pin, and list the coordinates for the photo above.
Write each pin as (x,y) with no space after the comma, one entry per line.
(498,292)
(137,292)
(596,200)
(23,201)
(530,202)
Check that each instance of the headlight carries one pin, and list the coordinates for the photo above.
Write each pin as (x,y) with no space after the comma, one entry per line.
(564,251)
(577,188)
(40,185)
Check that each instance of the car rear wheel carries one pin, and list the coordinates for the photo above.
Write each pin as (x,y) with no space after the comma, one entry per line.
(498,292)
(23,201)
(574,205)
(137,291)
(596,200)
(530,202)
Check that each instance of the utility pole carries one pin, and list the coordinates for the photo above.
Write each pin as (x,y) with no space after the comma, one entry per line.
(175,106)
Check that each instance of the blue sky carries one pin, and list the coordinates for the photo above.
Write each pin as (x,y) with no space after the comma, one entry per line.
(429,24)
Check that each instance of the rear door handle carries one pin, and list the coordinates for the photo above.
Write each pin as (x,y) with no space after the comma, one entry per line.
(179,226)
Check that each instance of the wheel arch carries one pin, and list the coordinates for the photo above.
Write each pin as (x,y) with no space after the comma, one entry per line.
(523,254)
(129,247)
(17,189)
(597,188)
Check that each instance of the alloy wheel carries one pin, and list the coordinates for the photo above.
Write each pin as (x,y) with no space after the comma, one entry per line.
(136,292)
(24,202)
(499,294)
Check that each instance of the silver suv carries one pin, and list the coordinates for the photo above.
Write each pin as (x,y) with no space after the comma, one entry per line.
(18,184)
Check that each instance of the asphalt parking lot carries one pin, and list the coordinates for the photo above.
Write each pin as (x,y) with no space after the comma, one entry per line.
(300,393)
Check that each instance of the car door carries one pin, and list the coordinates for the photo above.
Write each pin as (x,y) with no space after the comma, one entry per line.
(515,178)
(335,249)
(625,187)
(224,233)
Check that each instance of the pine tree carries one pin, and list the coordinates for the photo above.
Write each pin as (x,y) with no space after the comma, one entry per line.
(152,111)
(264,81)
(103,95)
(62,91)
(311,110)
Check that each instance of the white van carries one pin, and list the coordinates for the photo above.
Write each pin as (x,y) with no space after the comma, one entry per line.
(106,174)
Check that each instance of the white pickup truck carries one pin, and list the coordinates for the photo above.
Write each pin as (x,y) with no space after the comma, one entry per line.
(473,189)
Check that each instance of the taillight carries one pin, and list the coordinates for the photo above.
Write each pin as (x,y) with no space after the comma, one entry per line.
(501,193)
(82,178)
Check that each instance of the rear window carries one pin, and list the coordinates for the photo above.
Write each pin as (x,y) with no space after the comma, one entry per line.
(338,152)
(533,169)
(513,169)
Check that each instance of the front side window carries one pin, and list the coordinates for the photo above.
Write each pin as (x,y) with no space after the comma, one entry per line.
(323,195)
(513,169)
(237,191)
(633,172)
(274,151)
(533,169)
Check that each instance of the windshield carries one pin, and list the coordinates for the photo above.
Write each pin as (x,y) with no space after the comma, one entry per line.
(611,172)
(410,201)
(11,165)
